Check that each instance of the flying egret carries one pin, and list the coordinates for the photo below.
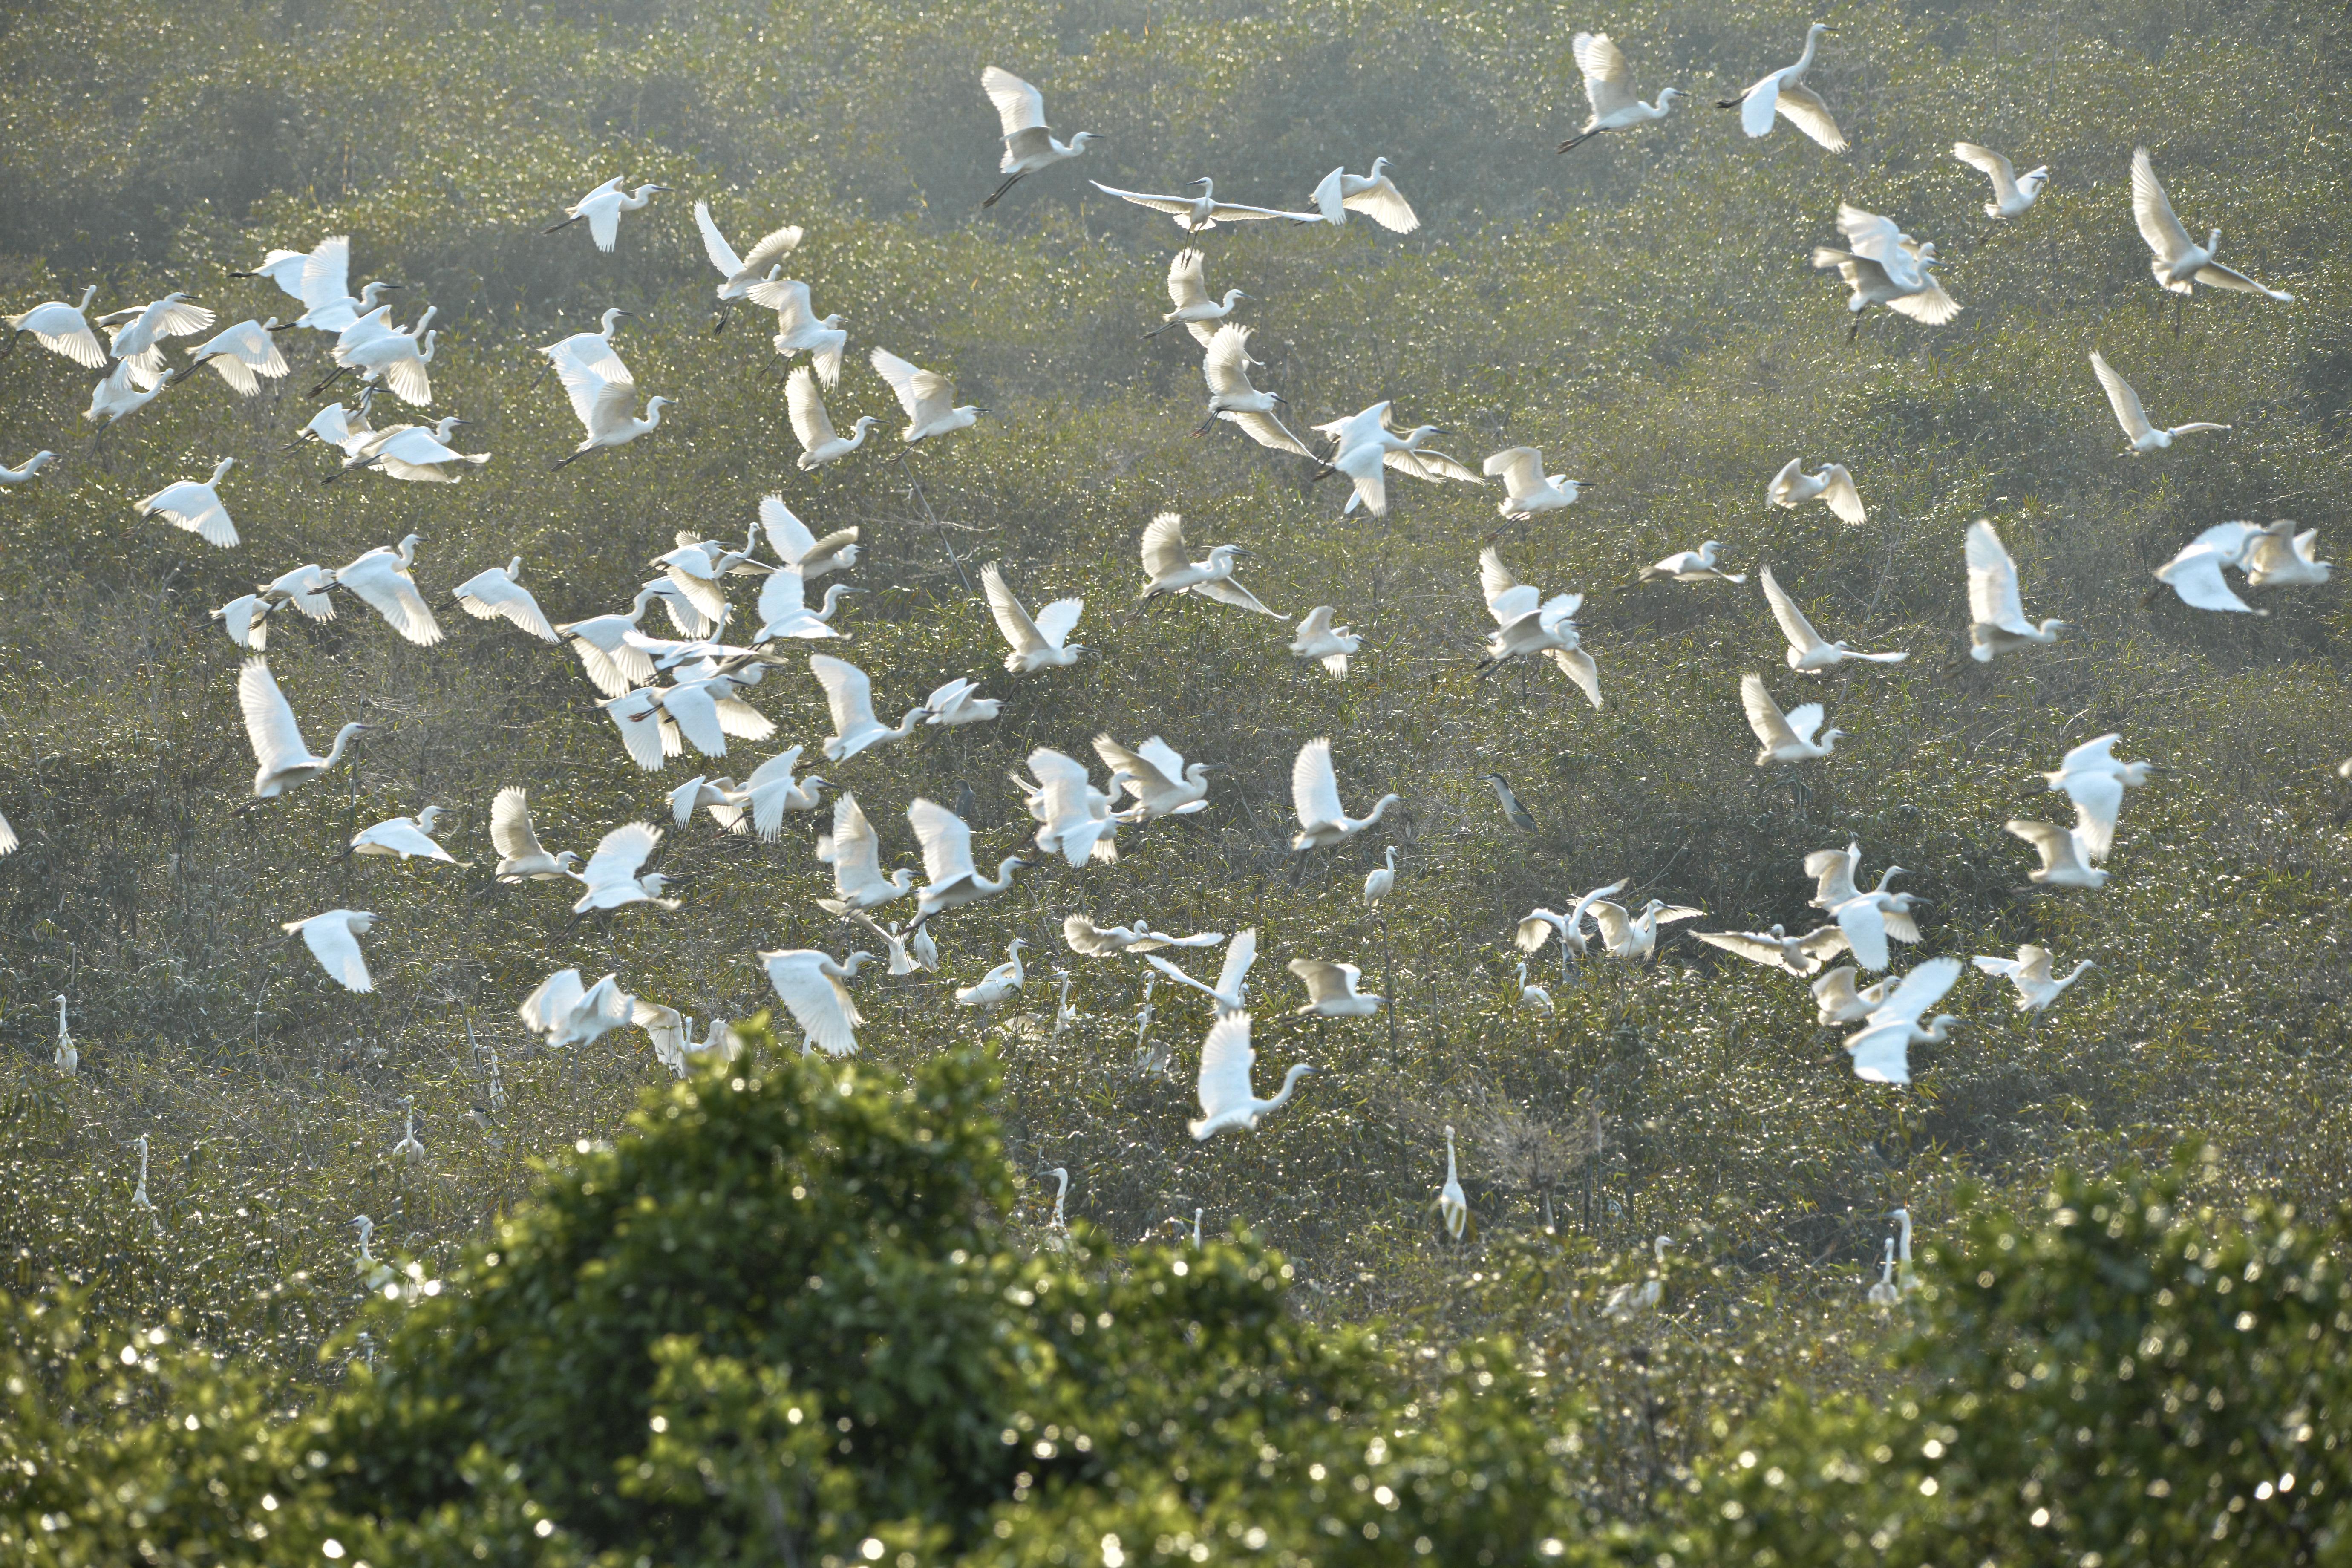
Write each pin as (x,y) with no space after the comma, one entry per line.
(1038,642)
(800,329)
(333,426)
(997,986)
(850,696)
(139,332)
(494,595)
(244,354)
(402,837)
(66,1058)
(1809,653)
(2279,557)
(1188,291)
(1453,1204)
(320,279)
(1865,918)
(1633,938)
(1076,816)
(284,761)
(1331,989)
(1906,1278)
(117,396)
(1527,488)
(2013,192)
(1802,956)
(604,399)
(1692,566)
(1997,619)
(333,939)
(521,858)
(1534,998)
(1784,92)
(611,878)
(1883,1293)
(584,348)
(854,852)
(380,579)
(772,791)
(2095,780)
(1315,796)
(796,547)
(1231,993)
(946,861)
(33,465)
(812,987)
(601,209)
(718,796)
(928,397)
(1091,941)
(1225,368)
(1517,815)
(409,1150)
(2195,571)
(1907,288)
(1156,778)
(813,426)
(1168,569)
(2179,262)
(1627,1300)
(1831,486)
(1029,145)
(738,274)
(2132,416)
(613,665)
(698,568)
(418,452)
(1193,214)
(61,328)
(195,506)
(1609,88)
(1839,1002)
(784,613)
(2065,858)
(1526,623)
(1227,1099)
(560,1008)
(2030,972)
(1881,1050)
(397,359)
(247,616)
(1373,194)
(1539,925)
(1317,638)
(1366,456)
(708,710)
(1795,736)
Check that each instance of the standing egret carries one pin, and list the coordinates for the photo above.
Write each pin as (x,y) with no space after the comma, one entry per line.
(1838,1002)
(1156,778)
(909,950)
(1227,1099)
(409,1150)
(1692,566)
(813,426)
(1168,569)
(195,505)
(1527,488)
(604,399)
(1076,816)
(854,852)
(39,460)
(2132,416)
(772,791)
(2031,972)
(67,1058)
(2179,262)
(2065,858)
(244,354)
(800,329)
(1609,88)
(1832,486)
(1188,291)
(521,858)
(946,861)
(796,547)
(1062,1176)
(1633,938)
(2195,571)
(1091,941)
(811,986)
(849,694)
(1996,620)
(1526,623)
(611,878)
(1232,398)
(1809,652)
(402,837)
(1029,145)
(1883,1293)
(496,593)
(738,274)
(1517,815)
(2095,780)
(1784,92)
(1538,924)
(1628,1301)
(139,1198)
(1373,194)
(997,986)
(1039,641)
(1231,993)
(1317,638)
(1331,989)
(380,579)
(1193,214)
(601,209)
(1315,796)
(928,397)
(1534,998)
(284,761)
(2279,557)
(1795,736)
(1881,1051)
(567,1014)
(1453,1204)
(2013,192)
(333,939)
(1907,1280)
(1802,956)
(61,328)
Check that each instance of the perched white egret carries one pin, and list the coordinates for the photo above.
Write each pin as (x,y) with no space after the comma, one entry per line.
(1527,488)
(1188,291)
(496,593)
(1609,88)
(1809,653)
(611,876)
(380,579)
(1628,1301)
(61,328)
(1538,926)
(195,505)
(1839,1002)
(1831,486)
(1062,1176)
(140,1200)
(997,986)
(1331,989)
(2179,262)
(1784,92)
(1038,642)
(796,547)
(812,426)
(772,791)
(738,274)
(569,1014)
(1881,1050)
(946,861)
(1633,938)
(2281,558)
(1906,1278)
(1883,1293)
(521,858)
(1802,956)
(1997,619)
(67,1058)
(1156,778)
(1372,194)
(2013,192)
(2195,570)
(800,329)
(39,460)
(813,989)
(1168,569)
(1091,941)
(1525,624)
(1193,214)
(1076,816)
(117,396)
(2031,972)
(601,209)
(1452,1205)
(928,397)
(2095,780)
(1317,638)
(139,332)
(1232,398)
(1692,566)
(2065,858)
(1533,997)
(1227,1099)
(850,696)
(409,1150)
(2144,437)
(402,837)
(604,399)
(245,356)
(908,949)
(1231,993)
(1315,796)
(333,939)
(854,852)
(1029,145)
(284,761)
(1796,736)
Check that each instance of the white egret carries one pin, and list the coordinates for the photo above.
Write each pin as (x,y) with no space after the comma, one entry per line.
(496,594)
(1831,486)
(283,267)
(738,274)
(813,988)
(708,710)
(1193,214)
(1906,1278)
(2065,858)
(718,796)
(2279,557)
(584,348)
(1526,623)
(1527,488)
(1881,1050)
(1092,940)
(946,861)
(1331,989)
(284,761)
(1231,993)
(380,579)
(613,665)
(521,858)
(1609,88)
(1038,642)
(1168,569)
(333,426)
(1517,815)
(397,359)
(8,840)
(140,1200)
(323,281)
(418,452)
(698,568)
(139,332)
(666,1028)
(244,354)
(2095,780)
(1232,398)
(2031,972)
(1538,926)
(67,1058)
(1372,194)
(2013,192)
(854,852)
(1883,1293)
(1065,1012)
(800,329)
(796,547)
(1188,291)
(195,505)
(1029,145)
(1802,956)
(909,950)
(1882,240)
(997,986)
(812,426)
(2132,416)
(1227,1099)
(61,328)
(611,876)
(560,1008)
(1809,653)
(1317,638)
(1534,998)
(850,696)
(1627,1300)
(928,397)
(1692,566)
(2195,570)
(1156,778)
(32,466)
(409,1150)
(1839,1002)
(1453,1204)
(1796,736)
(402,837)
(1908,289)
(772,791)
(246,617)
(1062,1176)
(1996,620)
(1315,796)
(604,399)
(1366,457)
(1076,816)
(601,209)
(2179,262)
(1866,917)
(333,939)
(783,610)
(1784,92)
(117,396)
(1633,938)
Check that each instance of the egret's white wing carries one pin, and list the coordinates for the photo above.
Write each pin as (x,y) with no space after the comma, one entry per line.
(1175,206)
(1331,201)
(1225,591)
(393,594)
(2122,399)
(1314,787)
(783,597)
(2196,575)
(1864,924)
(714,244)
(2097,798)
(788,536)
(1266,430)
(1226,1057)
(1882,1053)
(847,693)
(1385,205)
(946,839)
(1993,598)
(1986,162)
(2152,211)
(1919,990)
(647,734)
(921,393)
(1225,367)
(1579,667)
(334,942)
(596,387)
(1759,104)
(327,273)
(852,849)
(1608,81)
(1800,631)
(269,725)
(1188,279)
(1057,620)
(1927,304)
(1494,579)
(805,404)
(1164,546)
(511,828)
(1240,954)
(552,1002)
(772,247)
(619,854)
(1842,497)
(818,1002)
(1805,721)
(1011,620)
(2004,968)
(1803,108)
(1019,105)
(1521,470)
(1881,240)
(1772,728)
(695,711)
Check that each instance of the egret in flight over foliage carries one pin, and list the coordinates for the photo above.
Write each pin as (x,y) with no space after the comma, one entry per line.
(1029,145)
(1227,1101)
(1784,92)
(1609,88)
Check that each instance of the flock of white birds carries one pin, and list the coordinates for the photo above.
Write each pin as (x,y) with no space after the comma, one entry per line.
(665,695)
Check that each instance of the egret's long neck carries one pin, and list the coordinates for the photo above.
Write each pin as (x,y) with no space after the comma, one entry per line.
(1005,870)
(1805,61)
(1019,974)
(653,414)
(1380,808)
(335,753)
(1903,1218)
(1290,1081)
(1449,1175)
